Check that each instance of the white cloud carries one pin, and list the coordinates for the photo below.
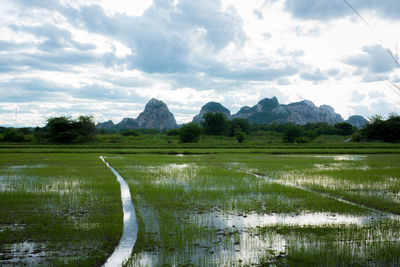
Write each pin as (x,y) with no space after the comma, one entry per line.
(108,57)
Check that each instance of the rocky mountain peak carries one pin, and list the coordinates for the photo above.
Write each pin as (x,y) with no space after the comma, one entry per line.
(156,115)
(269,105)
(308,103)
(105,125)
(357,121)
(154,102)
(212,107)
(127,124)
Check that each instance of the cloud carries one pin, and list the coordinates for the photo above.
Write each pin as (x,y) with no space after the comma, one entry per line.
(259,73)
(328,9)
(357,97)
(258,14)
(267,35)
(375,59)
(55,37)
(315,76)
(63,61)
(168,38)
(310,32)
(21,90)
(319,10)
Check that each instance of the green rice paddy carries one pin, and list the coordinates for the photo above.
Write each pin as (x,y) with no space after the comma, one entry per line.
(57,209)
(217,208)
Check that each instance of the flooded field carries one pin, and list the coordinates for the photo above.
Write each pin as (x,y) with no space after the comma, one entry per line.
(200,210)
(57,209)
(264,209)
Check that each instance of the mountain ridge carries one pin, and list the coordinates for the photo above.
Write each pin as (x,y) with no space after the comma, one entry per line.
(156,115)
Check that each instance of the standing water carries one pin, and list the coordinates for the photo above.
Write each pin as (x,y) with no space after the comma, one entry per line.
(124,249)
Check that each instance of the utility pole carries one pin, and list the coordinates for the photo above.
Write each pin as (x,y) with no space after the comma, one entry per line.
(16,117)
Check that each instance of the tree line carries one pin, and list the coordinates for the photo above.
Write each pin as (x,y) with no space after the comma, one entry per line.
(57,130)
(83,129)
(218,124)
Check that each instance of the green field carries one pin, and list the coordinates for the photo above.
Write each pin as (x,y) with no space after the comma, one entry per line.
(203,207)
(57,209)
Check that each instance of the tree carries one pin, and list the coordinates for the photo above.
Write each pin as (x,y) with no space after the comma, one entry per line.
(292,132)
(66,130)
(11,135)
(379,129)
(239,136)
(344,128)
(239,124)
(86,128)
(190,133)
(59,129)
(215,124)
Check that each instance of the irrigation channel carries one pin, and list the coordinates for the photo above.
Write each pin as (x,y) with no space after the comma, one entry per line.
(124,249)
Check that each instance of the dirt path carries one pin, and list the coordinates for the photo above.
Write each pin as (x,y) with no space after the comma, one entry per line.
(124,249)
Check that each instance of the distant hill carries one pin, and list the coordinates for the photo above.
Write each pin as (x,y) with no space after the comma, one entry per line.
(269,110)
(212,107)
(155,116)
(357,121)
(108,125)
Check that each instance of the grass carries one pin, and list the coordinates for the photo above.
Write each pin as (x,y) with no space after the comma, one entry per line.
(64,209)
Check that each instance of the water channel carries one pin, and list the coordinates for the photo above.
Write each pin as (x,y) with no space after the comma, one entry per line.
(124,249)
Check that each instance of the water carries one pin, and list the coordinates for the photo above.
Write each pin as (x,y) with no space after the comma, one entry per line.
(124,249)
(26,253)
(252,220)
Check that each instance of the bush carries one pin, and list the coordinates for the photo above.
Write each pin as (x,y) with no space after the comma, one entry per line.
(292,132)
(130,133)
(239,136)
(172,132)
(190,133)
(11,135)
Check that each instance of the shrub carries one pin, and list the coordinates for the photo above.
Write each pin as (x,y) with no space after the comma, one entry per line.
(190,133)
(239,136)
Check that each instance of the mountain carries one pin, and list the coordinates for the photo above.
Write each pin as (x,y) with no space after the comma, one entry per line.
(212,107)
(127,124)
(269,110)
(108,125)
(155,116)
(305,111)
(357,121)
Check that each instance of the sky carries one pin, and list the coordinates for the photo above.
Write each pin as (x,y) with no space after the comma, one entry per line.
(108,58)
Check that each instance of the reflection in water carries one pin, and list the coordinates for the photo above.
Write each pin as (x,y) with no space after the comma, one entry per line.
(240,221)
(19,167)
(124,249)
(335,157)
(26,253)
